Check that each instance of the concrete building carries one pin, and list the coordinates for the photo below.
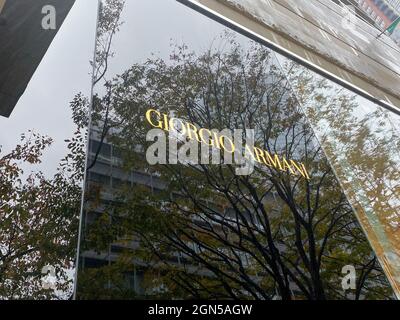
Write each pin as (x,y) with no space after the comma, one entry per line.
(383,12)
(378,13)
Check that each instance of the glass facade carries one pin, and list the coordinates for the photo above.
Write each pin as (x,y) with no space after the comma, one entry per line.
(219,169)
(361,141)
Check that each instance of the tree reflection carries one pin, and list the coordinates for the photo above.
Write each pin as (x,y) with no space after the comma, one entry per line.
(362,143)
(200,231)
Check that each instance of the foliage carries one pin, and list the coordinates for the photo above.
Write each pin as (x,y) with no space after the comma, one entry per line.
(208,233)
(39,218)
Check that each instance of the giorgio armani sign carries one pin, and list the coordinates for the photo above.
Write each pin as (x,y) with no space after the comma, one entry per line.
(205,146)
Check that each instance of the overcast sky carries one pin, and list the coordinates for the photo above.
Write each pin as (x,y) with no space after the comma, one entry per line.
(63,72)
(150,26)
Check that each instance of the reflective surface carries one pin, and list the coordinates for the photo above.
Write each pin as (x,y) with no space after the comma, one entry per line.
(161,221)
(361,141)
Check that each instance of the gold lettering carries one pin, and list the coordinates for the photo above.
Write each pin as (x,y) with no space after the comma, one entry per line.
(166,127)
(213,139)
(210,140)
(191,128)
(216,140)
(286,166)
(275,162)
(260,154)
(305,171)
(148,117)
(298,168)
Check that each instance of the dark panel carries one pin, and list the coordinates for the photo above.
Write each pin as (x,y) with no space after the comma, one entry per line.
(23,43)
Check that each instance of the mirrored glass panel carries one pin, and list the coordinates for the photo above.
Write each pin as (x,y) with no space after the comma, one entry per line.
(361,141)
(204,178)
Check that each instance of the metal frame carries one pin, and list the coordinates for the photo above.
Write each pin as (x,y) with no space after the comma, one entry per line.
(203,9)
